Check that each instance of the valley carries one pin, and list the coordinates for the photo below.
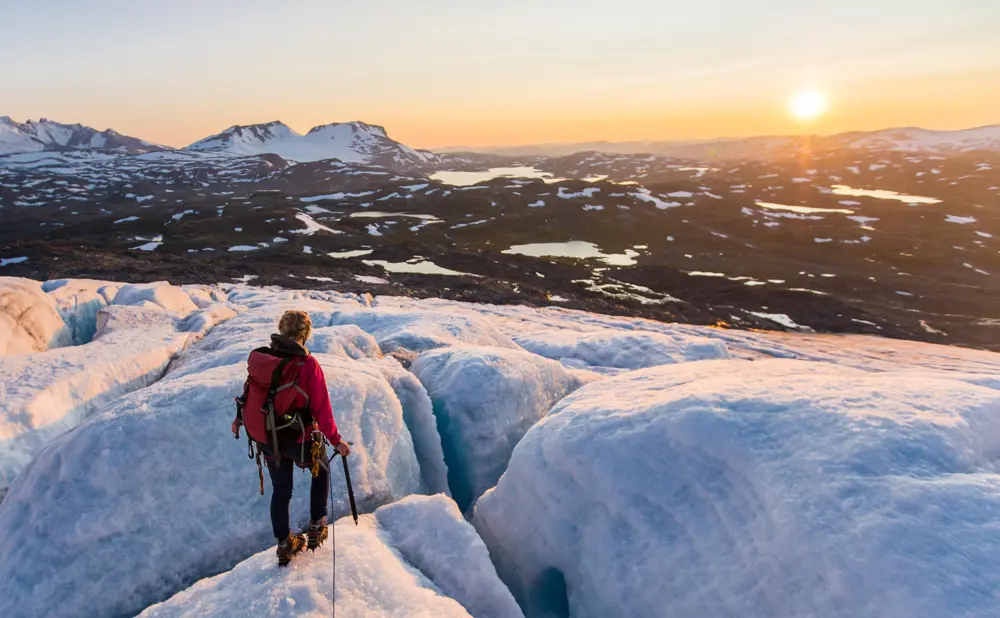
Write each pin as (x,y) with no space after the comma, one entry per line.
(878,241)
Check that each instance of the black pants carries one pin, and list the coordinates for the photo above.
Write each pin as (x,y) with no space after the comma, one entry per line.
(282,480)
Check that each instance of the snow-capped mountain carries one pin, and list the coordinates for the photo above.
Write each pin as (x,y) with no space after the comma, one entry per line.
(914,139)
(48,135)
(351,142)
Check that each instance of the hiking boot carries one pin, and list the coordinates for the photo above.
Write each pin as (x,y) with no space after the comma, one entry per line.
(317,533)
(289,547)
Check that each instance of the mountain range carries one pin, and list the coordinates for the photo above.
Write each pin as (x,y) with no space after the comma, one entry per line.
(47,135)
(906,139)
(351,142)
(360,142)
(895,233)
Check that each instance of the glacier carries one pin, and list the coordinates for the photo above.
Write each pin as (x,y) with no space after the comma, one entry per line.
(772,488)
(600,465)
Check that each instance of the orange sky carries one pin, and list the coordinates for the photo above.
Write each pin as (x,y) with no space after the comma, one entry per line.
(445,73)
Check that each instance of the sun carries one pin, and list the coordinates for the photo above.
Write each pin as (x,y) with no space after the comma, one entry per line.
(808,105)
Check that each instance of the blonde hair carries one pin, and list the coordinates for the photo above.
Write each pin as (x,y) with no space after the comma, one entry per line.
(295,325)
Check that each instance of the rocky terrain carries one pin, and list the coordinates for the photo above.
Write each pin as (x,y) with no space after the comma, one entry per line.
(875,236)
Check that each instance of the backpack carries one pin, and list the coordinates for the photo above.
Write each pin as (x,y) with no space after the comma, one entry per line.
(268,406)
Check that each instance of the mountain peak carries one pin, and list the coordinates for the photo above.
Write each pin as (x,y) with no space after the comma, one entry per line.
(48,135)
(354,125)
(351,142)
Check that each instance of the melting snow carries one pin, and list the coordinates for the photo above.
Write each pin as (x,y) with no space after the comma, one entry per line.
(462,179)
(574,249)
(960,220)
(884,195)
(312,226)
(376,214)
(372,280)
(779,318)
(416,266)
(350,254)
(802,209)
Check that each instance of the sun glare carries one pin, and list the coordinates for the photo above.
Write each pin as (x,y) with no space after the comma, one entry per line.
(808,105)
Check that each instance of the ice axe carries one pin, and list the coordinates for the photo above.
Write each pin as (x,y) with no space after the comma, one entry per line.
(350,489)
(320,459)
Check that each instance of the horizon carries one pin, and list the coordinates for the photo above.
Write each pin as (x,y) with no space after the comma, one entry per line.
(482,77)
(458,147)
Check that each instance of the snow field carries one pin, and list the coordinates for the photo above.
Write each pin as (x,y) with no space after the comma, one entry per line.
(774,488)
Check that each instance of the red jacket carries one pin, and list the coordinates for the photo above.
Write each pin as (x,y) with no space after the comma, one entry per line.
(305,388)
(313,382)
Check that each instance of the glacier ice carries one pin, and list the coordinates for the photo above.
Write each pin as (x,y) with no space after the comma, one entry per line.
(419,330)
(347,340)
(188,505)
(418,414)
(169,297)
(78,301)
(484,400)
(29,319)
(858,480)
(622,349)
(416,557)
(430,534)
(43,395)
(770,488)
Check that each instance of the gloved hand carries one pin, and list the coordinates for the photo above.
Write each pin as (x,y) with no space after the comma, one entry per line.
(236,428)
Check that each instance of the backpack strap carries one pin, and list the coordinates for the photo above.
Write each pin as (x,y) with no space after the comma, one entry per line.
(269,404)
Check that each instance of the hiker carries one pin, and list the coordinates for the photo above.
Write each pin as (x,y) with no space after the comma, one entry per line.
(292,381)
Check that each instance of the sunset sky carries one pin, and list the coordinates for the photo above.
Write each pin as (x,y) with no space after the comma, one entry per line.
(465,72)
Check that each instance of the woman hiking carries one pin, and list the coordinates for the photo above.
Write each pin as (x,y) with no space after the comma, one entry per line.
(285,407)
